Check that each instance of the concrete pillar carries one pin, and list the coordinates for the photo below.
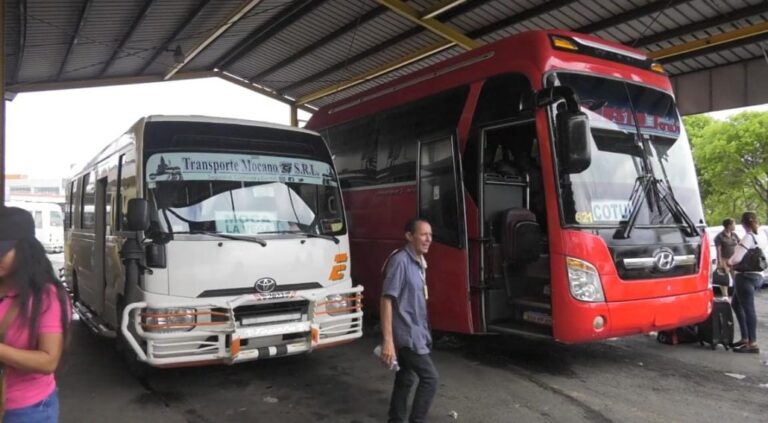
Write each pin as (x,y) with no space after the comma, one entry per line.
(2,102)
(294,115)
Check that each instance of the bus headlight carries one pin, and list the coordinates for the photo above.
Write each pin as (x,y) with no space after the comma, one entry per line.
(168,319)
(336,304)
(584,281)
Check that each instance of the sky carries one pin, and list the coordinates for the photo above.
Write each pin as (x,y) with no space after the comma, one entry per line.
(48,132)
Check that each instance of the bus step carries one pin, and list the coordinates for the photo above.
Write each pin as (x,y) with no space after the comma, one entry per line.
(93,321)
(538,318)
(531,303)
(525,329)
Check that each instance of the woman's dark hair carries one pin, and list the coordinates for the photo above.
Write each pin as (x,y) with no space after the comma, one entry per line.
(749,220)
(727,222)
(31,275)
(410,225)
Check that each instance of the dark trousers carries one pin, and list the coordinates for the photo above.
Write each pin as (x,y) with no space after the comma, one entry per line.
(413,366)
(746,285)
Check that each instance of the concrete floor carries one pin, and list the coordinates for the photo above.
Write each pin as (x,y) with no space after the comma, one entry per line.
(489,379)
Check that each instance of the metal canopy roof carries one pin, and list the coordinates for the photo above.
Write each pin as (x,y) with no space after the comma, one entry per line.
(312,52)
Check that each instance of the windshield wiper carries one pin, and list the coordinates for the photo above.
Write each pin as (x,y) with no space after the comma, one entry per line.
(643,183)
(677,210)
(259,241)
(307,234)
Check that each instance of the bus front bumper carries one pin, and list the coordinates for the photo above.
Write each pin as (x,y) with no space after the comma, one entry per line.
(234,338)
(635,317)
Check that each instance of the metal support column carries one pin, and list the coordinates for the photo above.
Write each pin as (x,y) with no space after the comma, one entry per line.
(294,115)
(2,103)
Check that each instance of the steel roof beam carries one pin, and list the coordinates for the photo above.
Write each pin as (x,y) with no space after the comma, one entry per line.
(439,8)
(22,39)
(261,90)
(431,24)
(75,36)
(630,15)
(286,17)
(736,38)
(423,53)
(368,16)
(102,82)
(718,20)
(241,11)
(190,18)
(413,57)
(385,45)
(136,22)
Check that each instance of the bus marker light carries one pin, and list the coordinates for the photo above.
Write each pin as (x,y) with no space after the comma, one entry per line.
(563,43)
(599,323)
(657,67)
(234,347)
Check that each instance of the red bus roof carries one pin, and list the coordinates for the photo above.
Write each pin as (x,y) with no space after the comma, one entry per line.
(529,53)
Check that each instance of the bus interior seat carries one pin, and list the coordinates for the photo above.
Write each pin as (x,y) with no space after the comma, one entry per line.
(521,243)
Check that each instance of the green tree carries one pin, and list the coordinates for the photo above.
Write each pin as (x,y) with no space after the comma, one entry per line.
(732,163)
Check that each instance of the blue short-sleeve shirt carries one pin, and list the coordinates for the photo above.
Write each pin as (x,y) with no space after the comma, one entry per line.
(404,282)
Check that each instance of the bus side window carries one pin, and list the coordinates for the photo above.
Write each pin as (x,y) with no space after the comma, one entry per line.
(87,209)
(68,215)
(438,199)
(38,219)
(77,200)
(126,189)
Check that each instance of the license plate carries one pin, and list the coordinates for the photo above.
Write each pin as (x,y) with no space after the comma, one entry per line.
(257,332)
(257,320)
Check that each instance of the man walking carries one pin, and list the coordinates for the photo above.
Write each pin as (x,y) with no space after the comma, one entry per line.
(404,324)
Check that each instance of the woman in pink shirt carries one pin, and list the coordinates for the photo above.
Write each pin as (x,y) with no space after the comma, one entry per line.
(34,332)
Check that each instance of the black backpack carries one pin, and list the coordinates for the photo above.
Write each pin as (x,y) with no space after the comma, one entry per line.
(753,260)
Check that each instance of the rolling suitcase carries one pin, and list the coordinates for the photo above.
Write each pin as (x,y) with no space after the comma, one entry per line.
(718,328)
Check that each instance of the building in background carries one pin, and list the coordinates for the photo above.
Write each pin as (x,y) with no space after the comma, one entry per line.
(24,188)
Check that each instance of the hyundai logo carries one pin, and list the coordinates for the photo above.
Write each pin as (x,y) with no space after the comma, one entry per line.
(664,259)
(265,285)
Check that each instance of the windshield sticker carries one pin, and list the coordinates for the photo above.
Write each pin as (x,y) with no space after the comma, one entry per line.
(236,167)
(607,117)
(610,211)
(246,223)
(583,217)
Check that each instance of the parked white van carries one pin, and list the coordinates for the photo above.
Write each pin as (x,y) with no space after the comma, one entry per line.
(200,240)
(49,223)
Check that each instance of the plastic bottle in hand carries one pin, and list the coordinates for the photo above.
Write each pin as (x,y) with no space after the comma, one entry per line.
(377,352)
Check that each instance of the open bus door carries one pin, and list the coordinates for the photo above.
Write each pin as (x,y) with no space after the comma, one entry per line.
(514,258)
(440,200)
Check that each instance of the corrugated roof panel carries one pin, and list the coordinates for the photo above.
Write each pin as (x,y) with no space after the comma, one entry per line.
(330,16)
(105,26)
(255,19)
(12,38)
(49,30)
(161,21)
(211,18)
(386,27)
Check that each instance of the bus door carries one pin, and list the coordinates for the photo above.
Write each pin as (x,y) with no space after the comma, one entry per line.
(441,201)
(99,276)
(514,259)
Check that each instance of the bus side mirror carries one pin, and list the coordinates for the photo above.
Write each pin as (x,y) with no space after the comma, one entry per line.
(573,133)
(137,215)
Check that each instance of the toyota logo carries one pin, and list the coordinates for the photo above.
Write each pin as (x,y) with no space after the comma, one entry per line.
(265,285)
(664,259)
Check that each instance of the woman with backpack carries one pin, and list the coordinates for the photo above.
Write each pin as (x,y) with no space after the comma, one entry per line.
(34,315)
(748,260)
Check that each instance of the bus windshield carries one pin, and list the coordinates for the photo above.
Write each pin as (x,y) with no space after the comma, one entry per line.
(239,194)
(629,124)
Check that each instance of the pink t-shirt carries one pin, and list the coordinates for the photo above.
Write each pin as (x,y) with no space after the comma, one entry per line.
(23,388)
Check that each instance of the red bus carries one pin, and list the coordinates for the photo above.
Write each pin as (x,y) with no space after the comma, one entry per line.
(558,179)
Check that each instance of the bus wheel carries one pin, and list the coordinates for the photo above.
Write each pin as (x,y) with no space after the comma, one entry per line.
(136,367)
